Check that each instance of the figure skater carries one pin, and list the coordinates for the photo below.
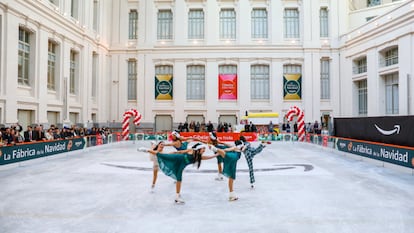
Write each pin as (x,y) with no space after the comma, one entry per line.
(230,157)
(249,154)
(173,164)
(156,147)
(213,140)
(178,142)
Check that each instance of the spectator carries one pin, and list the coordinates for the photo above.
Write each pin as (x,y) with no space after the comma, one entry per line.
(246,128)
(309,127)
(49,134)
(18,127)
(180,127)
(28,134)
(253,127)
(197,127)
(185,127)
(56,134)
(295,127)
(38,134)
(270,127)
(225,127)
(316,128)
(284,127)
(210,127)
(288,127)
(220,127)
(192,126)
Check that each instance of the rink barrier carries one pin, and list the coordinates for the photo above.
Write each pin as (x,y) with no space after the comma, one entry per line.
(388,153)
(394,154)
(27,151)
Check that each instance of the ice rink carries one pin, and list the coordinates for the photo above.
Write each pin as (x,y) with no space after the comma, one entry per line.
(299,188)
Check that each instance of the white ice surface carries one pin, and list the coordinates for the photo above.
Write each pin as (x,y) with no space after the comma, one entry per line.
(107,189)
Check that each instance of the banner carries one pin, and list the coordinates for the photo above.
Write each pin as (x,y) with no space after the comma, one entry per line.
(225,137)
(164,87)
(227,87)
(396,130)
(292,86)
(18,153)
(395,155)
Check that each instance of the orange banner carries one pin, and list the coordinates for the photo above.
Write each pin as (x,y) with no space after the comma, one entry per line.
(225,137)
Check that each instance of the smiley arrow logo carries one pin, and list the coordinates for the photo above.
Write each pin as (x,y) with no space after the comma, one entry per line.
(388,132)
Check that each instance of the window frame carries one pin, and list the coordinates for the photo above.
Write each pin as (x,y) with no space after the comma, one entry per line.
(259,27)
(195,82)
(260,82)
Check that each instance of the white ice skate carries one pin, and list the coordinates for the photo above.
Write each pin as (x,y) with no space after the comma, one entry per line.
(233,197)
(179,201)
(143,149)
(219,178)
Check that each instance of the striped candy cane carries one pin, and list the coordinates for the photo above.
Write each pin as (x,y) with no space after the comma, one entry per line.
(125,123)
(295,111)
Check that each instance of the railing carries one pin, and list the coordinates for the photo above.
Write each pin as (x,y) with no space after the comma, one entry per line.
(394,154)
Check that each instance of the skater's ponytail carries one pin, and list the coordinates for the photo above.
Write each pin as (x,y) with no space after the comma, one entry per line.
(197,155)
(197,158)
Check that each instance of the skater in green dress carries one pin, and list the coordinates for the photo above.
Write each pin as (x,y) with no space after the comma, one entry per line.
(173,164)
(213,140)
(230,157)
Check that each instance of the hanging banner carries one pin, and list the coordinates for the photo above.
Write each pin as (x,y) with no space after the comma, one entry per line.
(227,87)
(292,86)
(163,87)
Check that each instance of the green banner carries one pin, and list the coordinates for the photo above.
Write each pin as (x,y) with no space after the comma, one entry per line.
(18,153)
(292,86)
(389,154)
(163,87)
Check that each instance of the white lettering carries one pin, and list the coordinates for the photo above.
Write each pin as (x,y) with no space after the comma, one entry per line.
(394,155)
(55,148)
(19,153)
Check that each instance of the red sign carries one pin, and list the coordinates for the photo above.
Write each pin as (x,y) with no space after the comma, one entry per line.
(227,87)
(225,137)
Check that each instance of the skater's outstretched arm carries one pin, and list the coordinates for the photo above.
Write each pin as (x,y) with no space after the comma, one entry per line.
(206,157)
(225,144)
(187,151)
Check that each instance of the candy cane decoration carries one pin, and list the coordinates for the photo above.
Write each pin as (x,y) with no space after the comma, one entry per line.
(295,111)
(125,123)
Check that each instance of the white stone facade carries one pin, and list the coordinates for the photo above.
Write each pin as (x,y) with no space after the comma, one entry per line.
(97,34)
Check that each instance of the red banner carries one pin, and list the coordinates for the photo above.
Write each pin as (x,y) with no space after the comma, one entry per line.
(227,87)
(225,137)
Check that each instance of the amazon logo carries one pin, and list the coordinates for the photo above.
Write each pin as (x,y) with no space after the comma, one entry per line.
(395,130)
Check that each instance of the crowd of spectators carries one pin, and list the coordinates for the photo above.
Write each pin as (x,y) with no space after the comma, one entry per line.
(14,134)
